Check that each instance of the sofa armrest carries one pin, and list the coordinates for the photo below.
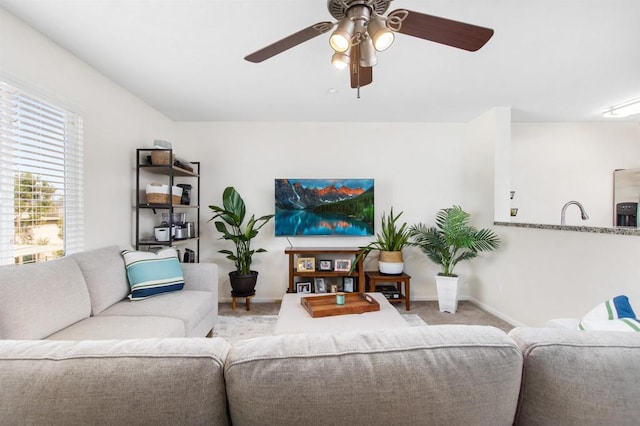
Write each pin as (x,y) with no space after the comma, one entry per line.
(200,277)
(575,377)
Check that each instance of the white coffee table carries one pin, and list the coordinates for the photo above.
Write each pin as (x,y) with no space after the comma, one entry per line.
(293,318)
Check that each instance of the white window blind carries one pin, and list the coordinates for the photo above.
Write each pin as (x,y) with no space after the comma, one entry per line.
(41,183)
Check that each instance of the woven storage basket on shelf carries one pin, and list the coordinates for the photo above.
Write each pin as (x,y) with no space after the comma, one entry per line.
(159,194)
(156,198)
(161,158)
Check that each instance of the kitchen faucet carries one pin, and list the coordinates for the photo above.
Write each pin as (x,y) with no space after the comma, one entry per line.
(583,213)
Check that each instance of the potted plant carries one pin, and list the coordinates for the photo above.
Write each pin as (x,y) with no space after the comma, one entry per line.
(232,215)
(390,242)
(451,241)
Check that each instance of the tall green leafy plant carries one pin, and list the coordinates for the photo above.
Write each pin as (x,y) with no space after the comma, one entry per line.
(232,215)
(452,240)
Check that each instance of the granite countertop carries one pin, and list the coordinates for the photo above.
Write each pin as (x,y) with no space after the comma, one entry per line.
(592,229)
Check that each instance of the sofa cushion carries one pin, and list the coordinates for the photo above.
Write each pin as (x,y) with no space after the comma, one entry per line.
(121,327)
(454,375)
(106,278)
(146,382)
(39,299)
(574,378)
(151,274)
(189,306)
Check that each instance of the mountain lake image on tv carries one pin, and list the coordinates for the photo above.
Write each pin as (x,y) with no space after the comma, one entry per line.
(317,207)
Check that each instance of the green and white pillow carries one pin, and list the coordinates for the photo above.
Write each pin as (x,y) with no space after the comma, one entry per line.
(615,314)
(150,274)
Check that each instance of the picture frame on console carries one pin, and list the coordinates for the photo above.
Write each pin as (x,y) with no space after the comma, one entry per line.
(306,264)
(325,265)
(348,284)
(342,265)
(320,285)
(303,287)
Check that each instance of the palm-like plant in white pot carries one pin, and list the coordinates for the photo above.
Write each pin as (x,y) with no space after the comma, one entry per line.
(448,243)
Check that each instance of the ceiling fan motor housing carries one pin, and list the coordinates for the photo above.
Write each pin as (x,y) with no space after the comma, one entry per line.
(339,8)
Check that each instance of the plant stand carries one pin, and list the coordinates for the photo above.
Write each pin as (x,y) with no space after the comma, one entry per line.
(447,293)
(247,300)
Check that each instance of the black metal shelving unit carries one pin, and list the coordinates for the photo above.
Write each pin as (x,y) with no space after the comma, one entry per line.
(170,172)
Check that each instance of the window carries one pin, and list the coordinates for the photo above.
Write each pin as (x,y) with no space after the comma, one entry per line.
(41,201)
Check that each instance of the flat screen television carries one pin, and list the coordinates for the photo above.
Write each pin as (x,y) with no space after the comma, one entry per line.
(324,207)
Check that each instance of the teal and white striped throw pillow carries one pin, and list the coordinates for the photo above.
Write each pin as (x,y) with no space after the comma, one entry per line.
(613,315)
(152,273)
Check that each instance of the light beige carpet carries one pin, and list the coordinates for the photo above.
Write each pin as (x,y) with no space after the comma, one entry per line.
(235,328)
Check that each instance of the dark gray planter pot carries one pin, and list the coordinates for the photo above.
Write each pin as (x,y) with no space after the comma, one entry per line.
(243,284)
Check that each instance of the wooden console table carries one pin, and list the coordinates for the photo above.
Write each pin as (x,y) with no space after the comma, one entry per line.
(319,253)
(375,277)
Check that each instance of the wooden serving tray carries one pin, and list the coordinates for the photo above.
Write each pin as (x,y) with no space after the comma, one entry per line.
(325,306)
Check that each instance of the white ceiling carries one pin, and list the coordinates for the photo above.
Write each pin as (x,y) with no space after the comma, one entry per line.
(549,60)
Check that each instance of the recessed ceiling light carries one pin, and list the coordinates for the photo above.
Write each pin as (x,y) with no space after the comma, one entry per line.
(332,91)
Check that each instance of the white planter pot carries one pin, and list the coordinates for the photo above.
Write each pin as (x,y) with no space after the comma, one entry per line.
(391,262)
(394,268)
(447,293)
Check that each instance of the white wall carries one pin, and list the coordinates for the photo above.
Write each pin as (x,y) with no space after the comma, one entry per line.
(115,123)
(553,163)
(416,167)
(545,274)
(537,275)
(419,168)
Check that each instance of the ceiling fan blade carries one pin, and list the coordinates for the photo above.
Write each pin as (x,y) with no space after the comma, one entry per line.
(289,42)
(360,76)
(440,30)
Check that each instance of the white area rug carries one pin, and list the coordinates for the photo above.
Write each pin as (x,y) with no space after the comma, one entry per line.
(234,329)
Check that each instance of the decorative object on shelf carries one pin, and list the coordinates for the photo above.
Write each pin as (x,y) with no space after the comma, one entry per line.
(232,213)
(306,264)
(330,207)
(390,242)
(325,265)
(186,193)
(451,241)
(303,287)
(320,285)
(347,284)
(342,265)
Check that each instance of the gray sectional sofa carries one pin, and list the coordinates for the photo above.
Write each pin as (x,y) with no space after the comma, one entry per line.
(84,296)
(441,375)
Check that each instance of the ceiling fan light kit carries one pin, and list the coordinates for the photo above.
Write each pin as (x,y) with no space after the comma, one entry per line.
(362,29)
(368,56)
(340,40)
(340,60)
(382,36)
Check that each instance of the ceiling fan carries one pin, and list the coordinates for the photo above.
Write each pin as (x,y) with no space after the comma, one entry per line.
(362,29)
